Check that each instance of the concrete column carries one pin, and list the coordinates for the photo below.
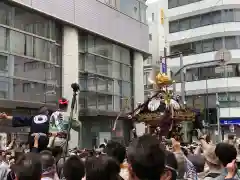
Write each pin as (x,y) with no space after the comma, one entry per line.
(70,72)
(138,86)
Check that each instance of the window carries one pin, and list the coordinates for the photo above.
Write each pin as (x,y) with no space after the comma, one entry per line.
(4,10)
(90,63)
(206,19)
(102,104)
(131,8)
(3,63)
(112,3)
(150,37)
(103,66)
(176,3)
(143,9)
(29,66)
(172,3)
(126,89)
(101,84)
(174,26)
(26,87)
(103,48)
(216,17)
(217,44)
(198,47)
(230,42)
(195,21)
(3,38)
(228,15)
(237,15)
(208,45)
(41,49)
(125,72)
(184,24)
(152,16)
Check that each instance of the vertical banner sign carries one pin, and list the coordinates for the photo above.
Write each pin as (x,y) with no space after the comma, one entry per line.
(164,69)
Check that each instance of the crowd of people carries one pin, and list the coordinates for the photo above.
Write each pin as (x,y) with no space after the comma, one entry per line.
(146,158)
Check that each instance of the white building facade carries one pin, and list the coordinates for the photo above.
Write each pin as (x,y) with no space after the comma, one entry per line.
(157,22)
(198,29)
(45,46)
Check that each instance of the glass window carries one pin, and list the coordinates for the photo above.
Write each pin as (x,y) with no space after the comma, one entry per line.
(184,24)
(207,45)
(90,43)
(117,103)
(216,17)
(143,9)
(173,26)
(103,48)
(217,44)
(125,56)
(230,42)
(41,49)
(228,15)
(117,87)
(237,15)
(172,3)
(92,101)
(91,83)
(110,85)
(117,53)
(4,10)
(17,42)
(3,63)
(131,8)
(103,66)
(206,19)
(90,63)
(3,38)
(26,68)
(102,84)
(150,37)
(81,42)
(198,47)
(82,82)
(182,2)
(195,21)
(23,20)
(116,70)
(110,102)
(126,89)
(81,60)
(29,46)
(102,104)
(125,72)
(41,26)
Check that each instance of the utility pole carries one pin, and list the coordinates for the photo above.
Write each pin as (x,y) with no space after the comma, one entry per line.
(182,76)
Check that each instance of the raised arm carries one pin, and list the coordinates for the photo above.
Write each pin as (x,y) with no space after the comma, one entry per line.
(17,121)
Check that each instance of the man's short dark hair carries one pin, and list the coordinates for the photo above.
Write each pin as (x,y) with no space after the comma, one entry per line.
(47,160)
(226,153)
(73,168)
(116,150)
(29,167)
(102,167)
(146,157)
(171,164)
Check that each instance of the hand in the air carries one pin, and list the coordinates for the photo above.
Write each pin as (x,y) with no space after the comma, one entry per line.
(3,115)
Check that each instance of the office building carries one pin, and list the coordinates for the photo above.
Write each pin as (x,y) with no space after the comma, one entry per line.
(157,22)
(45,46)
(199,29)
